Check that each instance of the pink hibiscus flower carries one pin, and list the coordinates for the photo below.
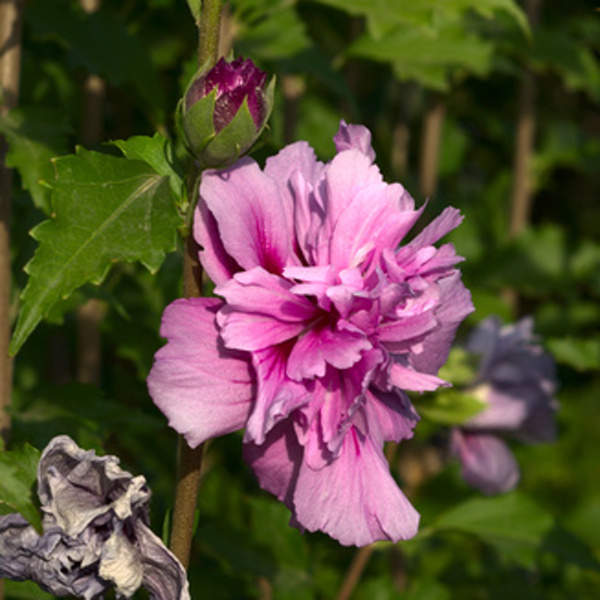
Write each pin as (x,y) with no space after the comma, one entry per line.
(324,321)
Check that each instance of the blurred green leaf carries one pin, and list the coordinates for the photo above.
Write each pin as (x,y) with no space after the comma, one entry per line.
(102,44)
(35,135)
(383,14)
(449,407)
(275,32)
(317,124)
(427,55)
(459,368)
(569,58)
(427,589)
(18,474)
(25,590)
(106,209)
(570,549)
(580,353)
(512,523)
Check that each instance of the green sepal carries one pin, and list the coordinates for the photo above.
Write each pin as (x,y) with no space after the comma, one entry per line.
(232,141)
(197,123)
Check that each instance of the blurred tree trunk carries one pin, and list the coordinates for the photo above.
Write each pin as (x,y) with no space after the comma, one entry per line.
(90,315)
(524,141)
(431,135)
(521,199)
(10,68)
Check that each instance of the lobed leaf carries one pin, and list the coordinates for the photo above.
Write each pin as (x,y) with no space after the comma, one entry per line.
(106,209)
(18,475)
(35,135)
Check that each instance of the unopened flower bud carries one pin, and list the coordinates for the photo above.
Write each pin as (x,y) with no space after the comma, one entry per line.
(224,110)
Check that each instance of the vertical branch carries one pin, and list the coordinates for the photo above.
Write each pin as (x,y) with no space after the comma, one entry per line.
(10,70)
(430,147)
(190,459)
(10,67)
(400,141)
(357,566)
(293,88)
(524,140)
(521,199)
(90,315)
(208,31)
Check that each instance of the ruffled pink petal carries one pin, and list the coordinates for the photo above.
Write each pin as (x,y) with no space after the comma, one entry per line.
(320,346)
(296,170)
(219,266)
(487,462)
(277,461)
(449,219)
(203,389)
(454,305)
(354,499)
(277,395)
(354,137)
(406,378)
(346,175)
(248,209)
(407,328)
(372,221)
(339,395)
(390,416)
(261,310)
(298,157)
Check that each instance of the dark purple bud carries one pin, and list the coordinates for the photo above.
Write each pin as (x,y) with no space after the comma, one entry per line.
(233,81)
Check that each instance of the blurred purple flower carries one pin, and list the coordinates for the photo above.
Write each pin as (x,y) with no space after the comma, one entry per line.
(233,81)
(517,381)
(96,533)
(324,323)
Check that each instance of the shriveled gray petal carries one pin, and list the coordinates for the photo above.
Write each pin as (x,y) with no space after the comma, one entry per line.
(164,576)
(121,563)
(17,539)
(76,487)
(96,533)
(53,560)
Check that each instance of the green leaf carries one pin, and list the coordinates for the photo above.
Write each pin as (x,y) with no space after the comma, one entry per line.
(102,44)
(279,33)
(459,368)
(426,54)
(35,135)
(25,590)
(106,209)
(427,589)
(569,58)
(512,523)
(449,407)
(159,153)
(580,353)
(383,15)
(18,473)
(195,8)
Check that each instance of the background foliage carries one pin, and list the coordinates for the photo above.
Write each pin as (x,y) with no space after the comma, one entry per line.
(383,63)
